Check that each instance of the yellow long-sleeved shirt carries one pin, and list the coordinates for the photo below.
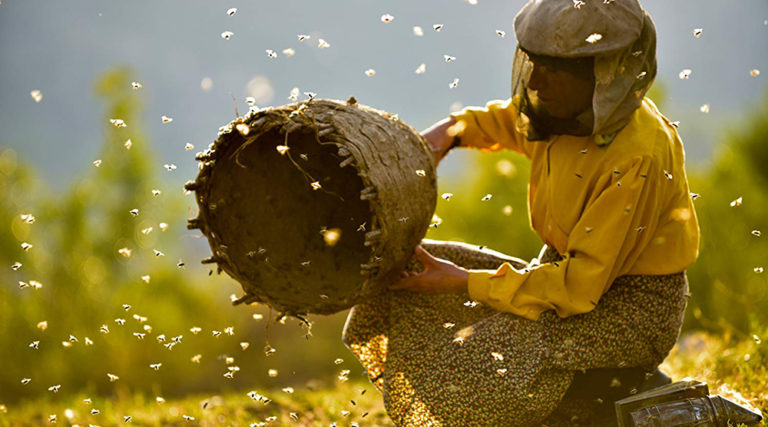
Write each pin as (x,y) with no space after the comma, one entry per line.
(622,208)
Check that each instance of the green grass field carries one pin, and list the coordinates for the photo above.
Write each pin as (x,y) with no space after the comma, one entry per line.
(737,369)
(343,403)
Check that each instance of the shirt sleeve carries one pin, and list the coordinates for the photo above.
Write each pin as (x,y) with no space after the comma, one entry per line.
(615,226)
(489,129)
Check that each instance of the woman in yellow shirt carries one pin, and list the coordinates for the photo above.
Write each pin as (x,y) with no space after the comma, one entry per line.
(619,209)
(608,195)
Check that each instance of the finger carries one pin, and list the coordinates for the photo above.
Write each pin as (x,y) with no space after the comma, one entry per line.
(399,285)
(406,282)
(420,254)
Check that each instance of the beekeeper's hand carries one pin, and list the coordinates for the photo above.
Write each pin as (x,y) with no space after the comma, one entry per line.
(439,276)
(440,138)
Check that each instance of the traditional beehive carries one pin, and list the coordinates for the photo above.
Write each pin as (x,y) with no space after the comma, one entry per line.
(314,206)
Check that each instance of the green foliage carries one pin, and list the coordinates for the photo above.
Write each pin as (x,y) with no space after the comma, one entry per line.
(751,143)
(501,222)
(658,93)
(728,292)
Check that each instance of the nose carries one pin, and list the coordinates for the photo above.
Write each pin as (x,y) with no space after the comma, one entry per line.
(537,81)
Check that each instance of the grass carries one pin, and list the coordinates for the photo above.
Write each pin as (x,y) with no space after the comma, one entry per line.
(344,403)
(734,368)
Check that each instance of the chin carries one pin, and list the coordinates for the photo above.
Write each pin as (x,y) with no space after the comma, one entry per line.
(546,109)
(555,110)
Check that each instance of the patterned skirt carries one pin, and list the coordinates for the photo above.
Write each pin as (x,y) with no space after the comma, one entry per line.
(443,360)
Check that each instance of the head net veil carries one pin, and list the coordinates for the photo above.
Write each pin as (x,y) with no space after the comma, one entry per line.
(624,62)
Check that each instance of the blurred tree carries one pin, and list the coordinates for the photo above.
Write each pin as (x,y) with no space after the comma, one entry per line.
(499,221)
(658,93)
(728,284)
(116,289)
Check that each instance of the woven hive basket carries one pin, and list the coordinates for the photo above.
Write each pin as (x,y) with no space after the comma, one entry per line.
(314,206)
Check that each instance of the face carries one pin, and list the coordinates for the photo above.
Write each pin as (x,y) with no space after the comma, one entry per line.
(562,94)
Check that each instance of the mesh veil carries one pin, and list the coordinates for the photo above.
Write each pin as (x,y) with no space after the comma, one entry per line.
(622,77)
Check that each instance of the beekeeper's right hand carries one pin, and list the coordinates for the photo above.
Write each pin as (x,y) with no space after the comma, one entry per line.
(440,139)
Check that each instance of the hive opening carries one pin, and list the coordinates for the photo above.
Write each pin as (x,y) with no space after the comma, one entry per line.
(292,234)
(316,206)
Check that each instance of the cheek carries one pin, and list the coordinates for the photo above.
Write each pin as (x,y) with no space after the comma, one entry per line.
(575,92)
(559,109)
(566,84)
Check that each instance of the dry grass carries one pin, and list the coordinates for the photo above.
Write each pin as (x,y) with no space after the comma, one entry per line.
(303,407)
(734,368)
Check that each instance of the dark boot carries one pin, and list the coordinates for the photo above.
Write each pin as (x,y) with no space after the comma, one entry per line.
(683,404)
(596,390)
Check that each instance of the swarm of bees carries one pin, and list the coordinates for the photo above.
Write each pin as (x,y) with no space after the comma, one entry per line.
(369,233)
